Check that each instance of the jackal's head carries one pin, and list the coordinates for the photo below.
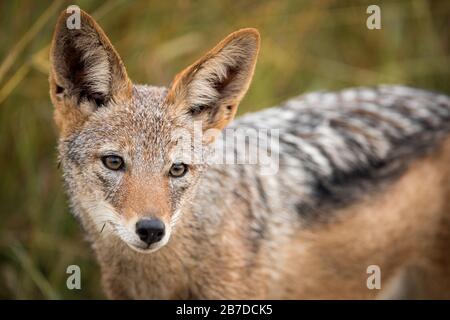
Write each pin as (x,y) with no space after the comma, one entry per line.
(123,165)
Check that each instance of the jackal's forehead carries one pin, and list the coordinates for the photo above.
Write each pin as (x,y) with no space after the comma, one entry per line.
(139,130)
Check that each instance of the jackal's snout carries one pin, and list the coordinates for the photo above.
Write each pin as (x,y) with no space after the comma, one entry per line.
(147,213)
(150,230)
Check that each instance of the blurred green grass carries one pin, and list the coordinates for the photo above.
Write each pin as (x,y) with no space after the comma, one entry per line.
(306,45)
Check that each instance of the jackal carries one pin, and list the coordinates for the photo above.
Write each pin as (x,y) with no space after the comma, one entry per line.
(363,179)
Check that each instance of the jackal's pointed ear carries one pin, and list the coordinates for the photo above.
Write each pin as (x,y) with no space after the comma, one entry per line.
(86,72)
(211,88)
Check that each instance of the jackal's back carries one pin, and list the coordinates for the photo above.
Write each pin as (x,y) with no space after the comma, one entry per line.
(336,146)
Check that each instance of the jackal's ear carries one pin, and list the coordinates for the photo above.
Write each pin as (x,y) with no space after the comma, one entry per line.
(86,72)
(212,87)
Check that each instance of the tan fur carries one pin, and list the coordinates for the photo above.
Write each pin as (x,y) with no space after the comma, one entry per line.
(145,197)
(404,227)
(324,260)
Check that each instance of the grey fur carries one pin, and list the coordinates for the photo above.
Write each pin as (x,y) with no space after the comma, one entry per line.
(334,149)
(338,146)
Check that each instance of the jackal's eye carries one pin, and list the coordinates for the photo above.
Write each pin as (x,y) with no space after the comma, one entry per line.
(178,170)
(113,162)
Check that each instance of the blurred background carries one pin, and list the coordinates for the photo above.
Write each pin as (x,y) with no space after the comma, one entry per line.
(306,46)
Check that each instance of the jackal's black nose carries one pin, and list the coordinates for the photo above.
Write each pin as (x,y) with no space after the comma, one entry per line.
(150,230)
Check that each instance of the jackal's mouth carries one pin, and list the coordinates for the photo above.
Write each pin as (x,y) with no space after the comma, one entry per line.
(146,248)
(142,247)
